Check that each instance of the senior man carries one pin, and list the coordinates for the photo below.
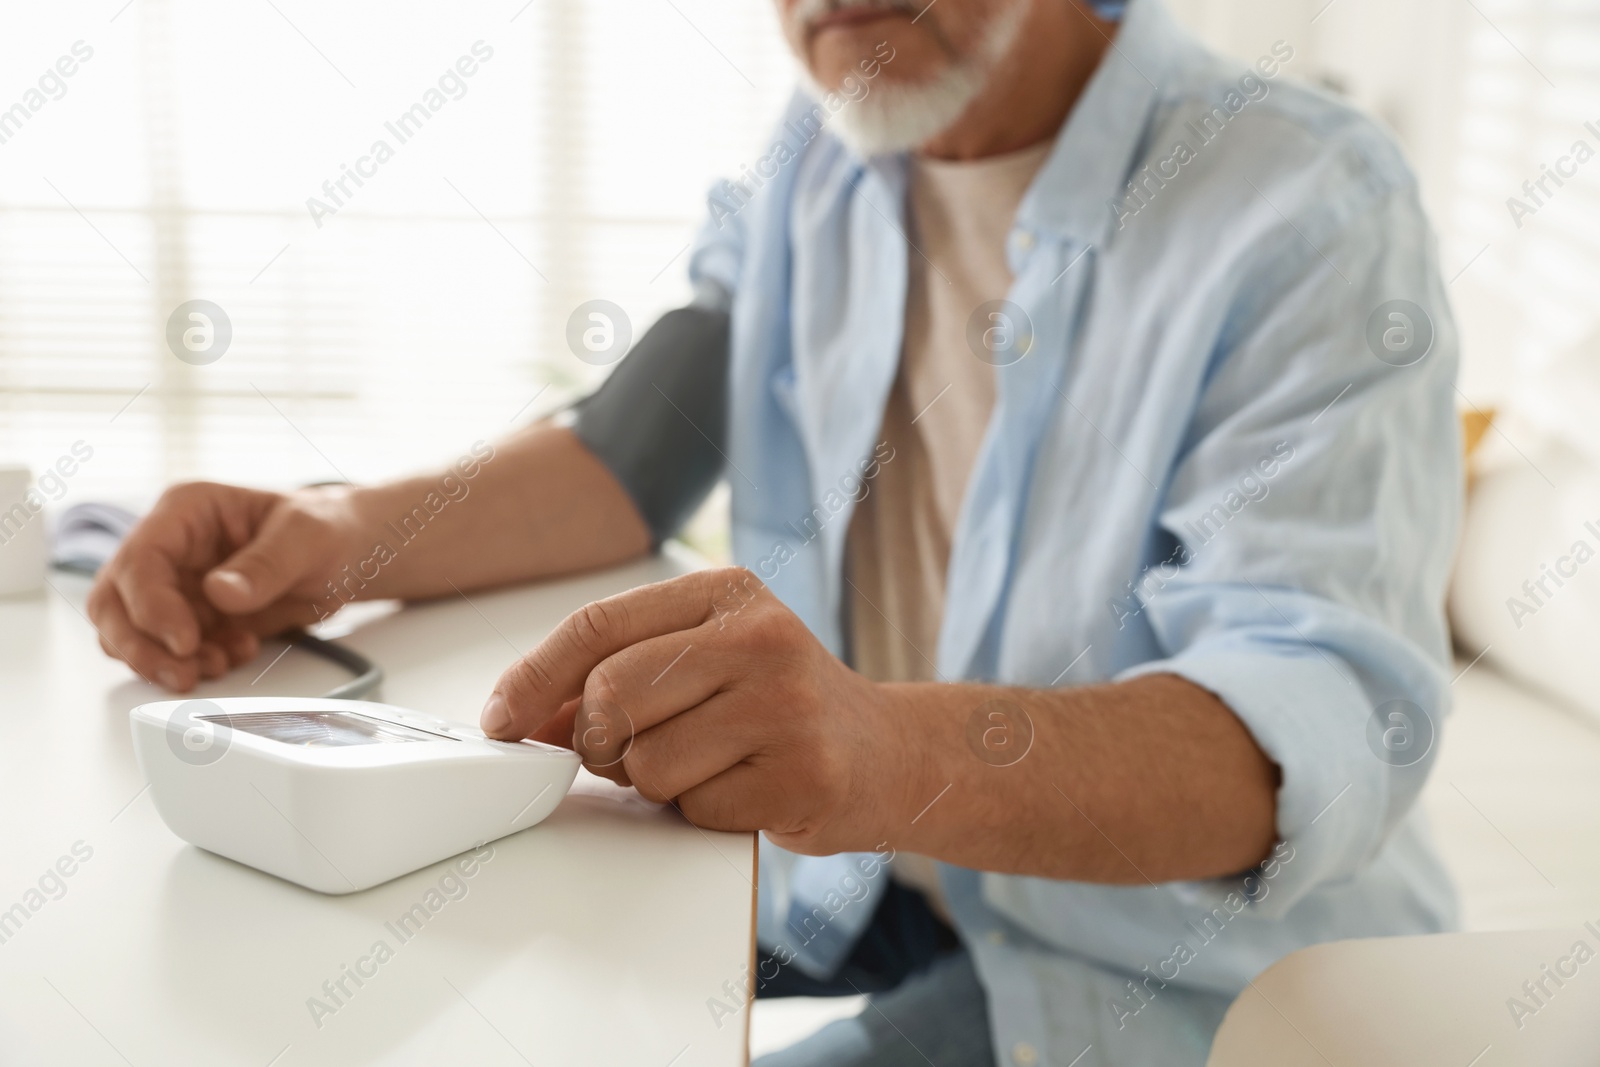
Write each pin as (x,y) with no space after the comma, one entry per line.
(1086,402)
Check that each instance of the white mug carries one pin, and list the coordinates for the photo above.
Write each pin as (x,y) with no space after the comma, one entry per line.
(24,546)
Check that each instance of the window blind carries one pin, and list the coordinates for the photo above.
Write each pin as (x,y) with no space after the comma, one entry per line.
(379,324)
(1528,93)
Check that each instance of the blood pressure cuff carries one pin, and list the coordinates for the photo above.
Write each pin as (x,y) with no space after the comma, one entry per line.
(660,422)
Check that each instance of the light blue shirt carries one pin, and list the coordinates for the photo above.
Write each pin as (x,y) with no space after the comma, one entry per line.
(1225,453)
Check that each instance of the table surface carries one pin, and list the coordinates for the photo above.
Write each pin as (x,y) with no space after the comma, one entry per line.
(608,934)
(1442,999)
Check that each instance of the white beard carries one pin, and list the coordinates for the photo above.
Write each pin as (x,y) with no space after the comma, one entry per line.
(899,116)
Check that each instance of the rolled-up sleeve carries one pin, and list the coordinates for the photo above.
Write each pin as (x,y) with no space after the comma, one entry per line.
(1310,521)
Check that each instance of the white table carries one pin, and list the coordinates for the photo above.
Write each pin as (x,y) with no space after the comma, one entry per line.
(1408,1001)
(1515,806)
(597,937)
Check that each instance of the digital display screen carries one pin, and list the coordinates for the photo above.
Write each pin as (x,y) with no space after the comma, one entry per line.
(323,729)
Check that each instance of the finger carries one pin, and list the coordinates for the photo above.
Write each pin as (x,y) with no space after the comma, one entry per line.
(288,614)
(212,660)
(658,678)
(564,730)
(236,642)
(616,772)
(149,588)
(692,748)
(558,731)
(239,646)
(281,554)
(536,686)
(121,639)
(740,798)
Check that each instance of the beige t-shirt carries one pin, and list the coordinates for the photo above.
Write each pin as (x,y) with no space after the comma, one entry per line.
(938,408)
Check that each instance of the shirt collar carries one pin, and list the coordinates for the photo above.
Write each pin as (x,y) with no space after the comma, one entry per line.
(1096,149)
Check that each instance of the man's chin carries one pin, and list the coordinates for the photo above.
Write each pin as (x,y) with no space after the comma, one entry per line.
(899,117)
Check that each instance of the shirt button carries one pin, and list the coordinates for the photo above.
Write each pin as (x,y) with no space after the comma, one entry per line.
(996,937)
(1022,240)
(1024,1054)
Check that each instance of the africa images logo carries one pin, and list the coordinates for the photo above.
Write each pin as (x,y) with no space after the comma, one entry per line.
(199,332)
(198,732)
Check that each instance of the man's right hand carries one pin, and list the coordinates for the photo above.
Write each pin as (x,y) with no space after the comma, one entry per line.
(212,569)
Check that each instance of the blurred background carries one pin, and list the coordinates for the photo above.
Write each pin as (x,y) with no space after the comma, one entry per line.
(430,308)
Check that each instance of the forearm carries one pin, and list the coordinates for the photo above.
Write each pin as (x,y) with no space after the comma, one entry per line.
(541,505)
(1148,780)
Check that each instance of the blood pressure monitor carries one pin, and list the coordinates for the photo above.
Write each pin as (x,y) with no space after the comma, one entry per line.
(338,795)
